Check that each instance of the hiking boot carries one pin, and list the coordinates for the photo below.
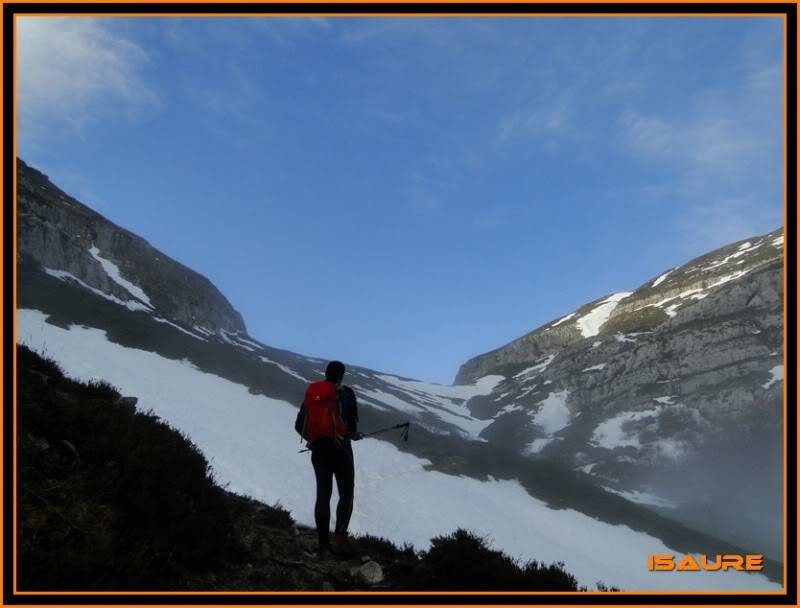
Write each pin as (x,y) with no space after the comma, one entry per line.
(344,545)
(327,552)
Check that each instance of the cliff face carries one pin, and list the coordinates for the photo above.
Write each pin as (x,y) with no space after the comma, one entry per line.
(742,279)
(652,376)
(673,391)
(74,242)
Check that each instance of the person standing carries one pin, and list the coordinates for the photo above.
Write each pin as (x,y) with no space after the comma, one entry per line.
(328,421)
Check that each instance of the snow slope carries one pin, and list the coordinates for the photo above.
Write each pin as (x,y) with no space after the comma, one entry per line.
(250,442)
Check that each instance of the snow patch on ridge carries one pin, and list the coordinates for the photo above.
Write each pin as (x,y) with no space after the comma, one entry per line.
(590,323)
(391,400)
(660,279)
(482,386)
(179,328)
(643,498)
(112,270)
(447,411)
(562,320)
(610,434)
(554,414)
(130,305)
(226,337)
(283,368)
(743,249)
(448,403)
(250,343)
(777,376)
(697,293)
(526,373)
(537,445)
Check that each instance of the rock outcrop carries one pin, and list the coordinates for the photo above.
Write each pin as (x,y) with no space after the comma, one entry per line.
(71,240)
(679,292)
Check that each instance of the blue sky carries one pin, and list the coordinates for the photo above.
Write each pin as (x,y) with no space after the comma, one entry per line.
(402,193)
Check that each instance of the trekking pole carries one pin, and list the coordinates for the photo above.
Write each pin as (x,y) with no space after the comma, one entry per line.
(405,426)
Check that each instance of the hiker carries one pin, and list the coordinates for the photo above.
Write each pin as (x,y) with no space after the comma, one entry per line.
(328,419)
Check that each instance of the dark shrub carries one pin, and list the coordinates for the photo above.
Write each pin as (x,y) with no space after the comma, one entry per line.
(463,561)
(383,546)
(134,507)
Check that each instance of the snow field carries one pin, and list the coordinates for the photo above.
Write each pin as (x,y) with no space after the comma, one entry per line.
(441,397)
(482,386)
(250,442)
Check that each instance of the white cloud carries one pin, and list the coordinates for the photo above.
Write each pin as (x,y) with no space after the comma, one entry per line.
(713,142)
(723,220)
(767,79)
(68,67)
(723,153)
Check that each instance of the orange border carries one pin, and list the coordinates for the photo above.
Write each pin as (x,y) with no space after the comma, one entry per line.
(367,15)
(3,178)
(527,4)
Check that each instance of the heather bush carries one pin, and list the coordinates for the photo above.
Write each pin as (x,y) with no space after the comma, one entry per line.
(129,503)
(464,561)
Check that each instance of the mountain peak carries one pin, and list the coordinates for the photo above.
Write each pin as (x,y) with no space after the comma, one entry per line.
(78,245)
(657,301)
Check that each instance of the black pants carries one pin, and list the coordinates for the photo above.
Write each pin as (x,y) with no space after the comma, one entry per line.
(331,459)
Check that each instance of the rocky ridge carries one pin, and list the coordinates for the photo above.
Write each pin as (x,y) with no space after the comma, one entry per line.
(653,304)
(653,393)
(76,244)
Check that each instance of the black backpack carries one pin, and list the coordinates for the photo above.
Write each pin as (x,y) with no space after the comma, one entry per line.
(349,408)
(300,421)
